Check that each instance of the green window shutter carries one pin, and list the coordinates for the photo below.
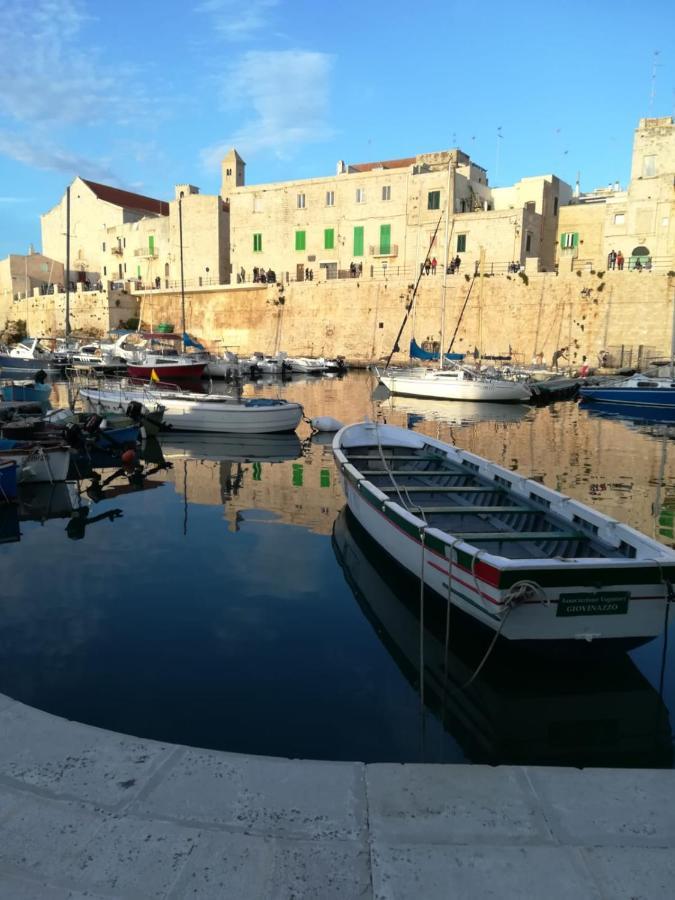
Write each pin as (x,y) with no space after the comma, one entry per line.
(151,244)
(257,243)
(297,474)
(385,239)
(328,238)
(434,200)
(324,478)
(562,241)
(138,271)
(257,471)
(299,240)
(575,239)
(358,240)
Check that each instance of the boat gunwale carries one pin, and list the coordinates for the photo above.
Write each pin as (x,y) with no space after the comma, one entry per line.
(444,543)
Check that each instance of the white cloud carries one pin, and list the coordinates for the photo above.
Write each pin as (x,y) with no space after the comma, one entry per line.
(14,199)
(235,21)
(52,74)
(43,154)
(286,95)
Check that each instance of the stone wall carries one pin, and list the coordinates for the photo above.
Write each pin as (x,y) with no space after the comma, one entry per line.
(92,313)
(361,318)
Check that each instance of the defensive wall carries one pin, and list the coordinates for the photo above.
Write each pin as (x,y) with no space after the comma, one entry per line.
(91,312)
(360,318)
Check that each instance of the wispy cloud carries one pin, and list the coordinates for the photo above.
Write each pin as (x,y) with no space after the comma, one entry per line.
(235,21)
(15,199)
(42,154)
(55,82)
(286,93)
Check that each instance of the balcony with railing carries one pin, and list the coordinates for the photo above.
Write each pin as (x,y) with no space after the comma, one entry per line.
(377,250)
(117,250)
(147,252)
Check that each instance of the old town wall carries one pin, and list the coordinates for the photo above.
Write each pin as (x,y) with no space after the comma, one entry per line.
(360,318)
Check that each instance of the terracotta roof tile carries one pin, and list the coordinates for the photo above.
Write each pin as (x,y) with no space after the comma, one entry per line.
(128,199)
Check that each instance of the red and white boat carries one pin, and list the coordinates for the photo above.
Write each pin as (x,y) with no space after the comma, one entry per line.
(146,351)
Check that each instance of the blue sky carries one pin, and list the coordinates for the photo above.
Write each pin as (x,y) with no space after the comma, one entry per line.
(144,96)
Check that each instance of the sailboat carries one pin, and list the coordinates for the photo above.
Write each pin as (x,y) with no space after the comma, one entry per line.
(452,379)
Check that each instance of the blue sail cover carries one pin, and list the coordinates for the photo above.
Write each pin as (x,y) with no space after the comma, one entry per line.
(191,342)
(416,352)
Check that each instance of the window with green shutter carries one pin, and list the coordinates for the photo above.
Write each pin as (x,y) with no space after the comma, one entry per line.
(569,240)
(257,243)
(151,244)
(299,240)
(328,238)
(434,200)
(385,240)
(138,271)
(461,243)
(358,240)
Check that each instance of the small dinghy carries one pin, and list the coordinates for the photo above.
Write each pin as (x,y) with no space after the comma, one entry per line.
(532,565)
(26,391)
(36,461)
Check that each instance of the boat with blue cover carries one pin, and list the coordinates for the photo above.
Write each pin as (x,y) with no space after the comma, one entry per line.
(26,391)
(636,390)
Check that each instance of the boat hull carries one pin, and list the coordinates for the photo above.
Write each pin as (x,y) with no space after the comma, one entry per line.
(29,393)
(39,464)
(166,373)
(482,585)
(660,398)
(445,389)
(15,363)
(248,417)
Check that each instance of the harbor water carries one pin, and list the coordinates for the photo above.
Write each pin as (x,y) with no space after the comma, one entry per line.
(224,599)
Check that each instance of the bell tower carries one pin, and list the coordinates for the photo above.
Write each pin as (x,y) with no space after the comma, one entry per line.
(233,173)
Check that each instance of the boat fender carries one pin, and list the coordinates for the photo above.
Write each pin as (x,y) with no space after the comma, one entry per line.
(325,423)
(128,458)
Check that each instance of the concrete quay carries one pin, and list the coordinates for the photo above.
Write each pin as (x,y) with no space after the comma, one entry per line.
(87,813)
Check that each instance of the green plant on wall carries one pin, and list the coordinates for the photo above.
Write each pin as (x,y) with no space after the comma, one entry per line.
(524,278)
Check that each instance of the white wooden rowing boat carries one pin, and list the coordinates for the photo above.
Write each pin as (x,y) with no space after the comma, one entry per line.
(521,559)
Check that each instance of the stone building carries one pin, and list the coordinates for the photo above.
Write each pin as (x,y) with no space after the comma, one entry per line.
(22,276)
(94,208)
(387,217)
(637,221)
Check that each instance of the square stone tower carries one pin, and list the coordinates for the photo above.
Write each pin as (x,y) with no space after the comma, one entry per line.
(233,173)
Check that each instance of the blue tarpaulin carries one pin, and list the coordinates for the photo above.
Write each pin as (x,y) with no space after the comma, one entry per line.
(191,342)
(416,352)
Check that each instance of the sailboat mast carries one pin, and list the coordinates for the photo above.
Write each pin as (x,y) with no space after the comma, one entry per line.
(67,321)
(445,262)
(182,278)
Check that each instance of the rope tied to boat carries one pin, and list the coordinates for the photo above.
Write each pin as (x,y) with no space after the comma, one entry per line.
(526,591)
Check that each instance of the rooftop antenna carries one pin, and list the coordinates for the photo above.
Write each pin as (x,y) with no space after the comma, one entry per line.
(652,93)
(499,138)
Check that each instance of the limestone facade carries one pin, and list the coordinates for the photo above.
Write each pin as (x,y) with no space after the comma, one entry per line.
(388,217)
(20,276)
(639,222)
(92,313)
(94,208)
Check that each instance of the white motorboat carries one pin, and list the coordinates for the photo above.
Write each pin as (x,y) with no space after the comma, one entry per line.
(521,559)
(190,411)
(269,365)
(229,366)
(454,383)
(303,365)
(336,365)
(28,355)
(37,461)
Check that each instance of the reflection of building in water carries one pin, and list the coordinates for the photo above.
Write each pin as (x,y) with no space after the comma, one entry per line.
(302,492)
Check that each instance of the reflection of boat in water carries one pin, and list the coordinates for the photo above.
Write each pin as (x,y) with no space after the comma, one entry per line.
(524,712)
(39,502)
(233,447)
(631,415)
(461,412)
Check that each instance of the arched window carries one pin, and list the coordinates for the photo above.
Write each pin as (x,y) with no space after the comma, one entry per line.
(640,251)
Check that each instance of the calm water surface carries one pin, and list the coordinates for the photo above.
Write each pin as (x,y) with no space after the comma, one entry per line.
(229,602)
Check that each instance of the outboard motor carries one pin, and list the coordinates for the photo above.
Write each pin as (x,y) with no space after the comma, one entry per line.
(135,411)
(93,424)
(73,436)
(40,376)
